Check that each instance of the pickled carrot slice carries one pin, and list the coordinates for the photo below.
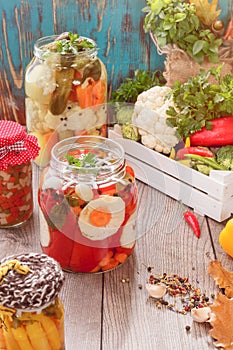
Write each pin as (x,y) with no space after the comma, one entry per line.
(2,340)
(111,264)
(121,257)
(84,95)
(18,339)
(106,259)
(96,269)
(11,343)
(99,92)
(37,337)
(100,217)
(51,330)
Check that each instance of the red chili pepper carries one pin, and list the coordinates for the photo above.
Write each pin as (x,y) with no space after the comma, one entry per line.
(221,133)
(191,219)
(200,151)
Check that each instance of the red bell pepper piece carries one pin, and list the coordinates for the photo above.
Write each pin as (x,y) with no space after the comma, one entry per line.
(60,247)
(86,254)
(221,133)
(200,151)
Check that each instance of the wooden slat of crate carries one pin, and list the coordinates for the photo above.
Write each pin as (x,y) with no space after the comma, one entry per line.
(200,201)
(208,195)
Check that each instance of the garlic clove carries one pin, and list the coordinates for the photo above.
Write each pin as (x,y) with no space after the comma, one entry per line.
(201,315)
(84,192)
(156,290)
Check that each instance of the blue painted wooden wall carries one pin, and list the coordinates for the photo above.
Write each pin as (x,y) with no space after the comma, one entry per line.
(116,25)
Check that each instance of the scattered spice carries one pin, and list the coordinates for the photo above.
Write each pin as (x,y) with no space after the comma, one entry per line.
(125,280)
(187,328)
(179,287)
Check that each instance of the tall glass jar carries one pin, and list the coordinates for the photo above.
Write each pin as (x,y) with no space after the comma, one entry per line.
(88,202)
(66,91)
(31,313)
(17,149)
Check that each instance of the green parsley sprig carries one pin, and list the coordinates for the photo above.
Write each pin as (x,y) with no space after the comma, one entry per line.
(143,80)
(74,44)
(87,161)
(198,101)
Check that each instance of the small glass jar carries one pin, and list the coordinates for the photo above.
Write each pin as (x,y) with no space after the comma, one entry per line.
(66,91)
(88,201)
(16,151)
(31,313)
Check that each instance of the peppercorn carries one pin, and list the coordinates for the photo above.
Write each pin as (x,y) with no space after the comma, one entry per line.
(187,328)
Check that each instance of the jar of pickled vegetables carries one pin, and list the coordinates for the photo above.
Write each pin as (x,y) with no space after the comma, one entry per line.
(66,91)
(17,149)
(88,203)
(31,313)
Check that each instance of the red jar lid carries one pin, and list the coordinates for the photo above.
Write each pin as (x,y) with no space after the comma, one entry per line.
(16,146)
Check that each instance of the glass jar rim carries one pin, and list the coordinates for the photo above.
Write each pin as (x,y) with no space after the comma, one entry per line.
(98,173)
(39,52)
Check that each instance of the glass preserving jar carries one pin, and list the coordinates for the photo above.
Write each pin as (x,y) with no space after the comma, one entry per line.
(17,149)
(88,201)
(31,313)
(66,91)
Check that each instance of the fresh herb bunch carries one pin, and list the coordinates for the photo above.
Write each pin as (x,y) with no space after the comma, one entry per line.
(176,22)
(143,80)
(74,44)
(87,161)
(197,101)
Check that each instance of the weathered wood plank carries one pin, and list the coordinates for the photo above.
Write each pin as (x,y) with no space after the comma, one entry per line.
(131,321)
(116,25)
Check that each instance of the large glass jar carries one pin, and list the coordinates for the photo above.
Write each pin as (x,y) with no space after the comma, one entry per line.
(31,313)
(66,91)
(88,202)
(17,149)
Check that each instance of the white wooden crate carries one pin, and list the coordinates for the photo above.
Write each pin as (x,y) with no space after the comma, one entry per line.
(208,195)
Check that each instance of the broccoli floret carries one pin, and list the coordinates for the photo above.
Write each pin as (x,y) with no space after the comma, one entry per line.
(124,115)
(130,132)
(224,156)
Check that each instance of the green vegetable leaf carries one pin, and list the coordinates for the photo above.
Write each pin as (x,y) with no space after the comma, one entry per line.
(87,160)
(143,80)
(198,46)
(176,22)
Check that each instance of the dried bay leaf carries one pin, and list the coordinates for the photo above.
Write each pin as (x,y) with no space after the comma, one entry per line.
(58,214)
(222,322)
(222,277)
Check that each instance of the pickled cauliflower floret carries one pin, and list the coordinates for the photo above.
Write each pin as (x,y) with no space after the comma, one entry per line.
(150,118)
(37,113)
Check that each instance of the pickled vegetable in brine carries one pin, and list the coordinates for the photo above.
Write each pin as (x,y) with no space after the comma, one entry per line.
(31,313)
(88,217)
(66,91)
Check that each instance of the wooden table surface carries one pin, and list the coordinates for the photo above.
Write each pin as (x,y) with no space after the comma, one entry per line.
(112,310)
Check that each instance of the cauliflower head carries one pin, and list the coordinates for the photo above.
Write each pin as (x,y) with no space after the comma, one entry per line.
(150,118)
